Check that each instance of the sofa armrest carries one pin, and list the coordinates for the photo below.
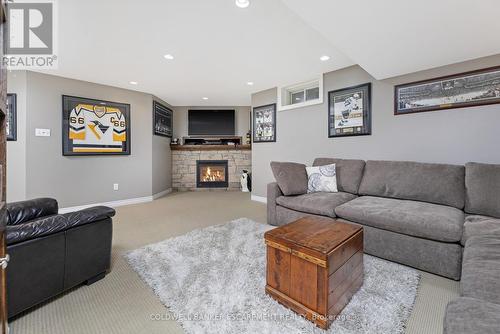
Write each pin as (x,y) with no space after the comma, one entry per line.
(35,229)
(480,226)
(22,212)
(49,225)
(273,192)
(89,215)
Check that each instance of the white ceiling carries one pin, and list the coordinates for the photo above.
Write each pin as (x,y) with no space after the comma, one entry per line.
(219,47)
(394,37)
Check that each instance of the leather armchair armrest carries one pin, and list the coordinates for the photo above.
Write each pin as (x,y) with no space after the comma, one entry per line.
(273,192)
(56,223)
(35,229)
(89,215)
(22,212)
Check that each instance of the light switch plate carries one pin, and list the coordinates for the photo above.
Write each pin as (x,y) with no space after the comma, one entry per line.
(42,132)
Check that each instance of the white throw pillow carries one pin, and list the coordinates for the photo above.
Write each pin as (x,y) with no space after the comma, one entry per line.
(322,178)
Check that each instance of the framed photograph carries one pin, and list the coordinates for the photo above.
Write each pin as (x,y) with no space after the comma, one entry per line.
(95,127)
(11,118)
(162,120)
(462,90)
(264,124)
(349,111)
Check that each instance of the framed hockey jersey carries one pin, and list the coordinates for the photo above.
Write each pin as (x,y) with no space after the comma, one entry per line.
(95,127)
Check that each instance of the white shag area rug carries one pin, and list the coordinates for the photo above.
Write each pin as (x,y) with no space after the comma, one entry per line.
(212,281)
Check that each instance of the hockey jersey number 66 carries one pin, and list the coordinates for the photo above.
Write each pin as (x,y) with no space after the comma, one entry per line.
(96,129)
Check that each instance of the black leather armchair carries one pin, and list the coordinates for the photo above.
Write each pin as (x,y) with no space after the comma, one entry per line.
(51,253)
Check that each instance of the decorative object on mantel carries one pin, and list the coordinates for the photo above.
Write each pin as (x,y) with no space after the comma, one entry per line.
(468,89)
(264,123)
(349,111)
(248,138)
(212,140)
(175,141)
(95,127)
(174,147)
(162,120)
(11,118)
(221,271)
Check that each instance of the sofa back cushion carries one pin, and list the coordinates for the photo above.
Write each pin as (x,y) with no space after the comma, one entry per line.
(433,183)
(349,172)
(291,177)
(482,189)
(24,211)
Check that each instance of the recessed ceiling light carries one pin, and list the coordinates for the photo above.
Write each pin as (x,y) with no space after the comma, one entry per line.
(205,98)
(242,3)
(250,83)
(133,82)
(168,56)
(324,58)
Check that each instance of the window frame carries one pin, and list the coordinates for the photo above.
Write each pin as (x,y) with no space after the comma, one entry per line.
(285,93)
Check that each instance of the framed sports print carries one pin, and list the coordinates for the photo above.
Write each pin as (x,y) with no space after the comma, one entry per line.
(162,120)
(264,124)
(11,118)
(462,90)
(95,127)
(349,111)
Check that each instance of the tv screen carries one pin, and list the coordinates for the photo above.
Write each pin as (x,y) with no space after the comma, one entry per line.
(211,122)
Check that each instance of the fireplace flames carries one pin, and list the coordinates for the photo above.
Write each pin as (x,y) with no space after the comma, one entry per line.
(212,174)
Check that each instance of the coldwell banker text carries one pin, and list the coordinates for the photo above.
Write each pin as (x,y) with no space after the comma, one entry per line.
(30,37)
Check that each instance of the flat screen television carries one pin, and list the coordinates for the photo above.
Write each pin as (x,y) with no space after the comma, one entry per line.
(211,123)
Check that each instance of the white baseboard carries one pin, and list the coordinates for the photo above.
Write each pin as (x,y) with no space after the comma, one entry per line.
(115,204)
(259,199)
(162,193)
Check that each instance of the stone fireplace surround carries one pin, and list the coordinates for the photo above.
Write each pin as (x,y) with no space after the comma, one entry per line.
(184,165)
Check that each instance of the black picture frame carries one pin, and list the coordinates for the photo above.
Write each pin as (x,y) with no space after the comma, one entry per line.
(11,117)
(343,104)
(260,120)
(162,120)
(88,122)
(462,90)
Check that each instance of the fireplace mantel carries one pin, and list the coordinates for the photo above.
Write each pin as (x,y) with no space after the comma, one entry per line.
(210,147)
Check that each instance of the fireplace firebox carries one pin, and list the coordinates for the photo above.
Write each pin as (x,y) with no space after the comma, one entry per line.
(211,174)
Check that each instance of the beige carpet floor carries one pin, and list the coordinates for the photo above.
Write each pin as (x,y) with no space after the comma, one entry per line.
(122,303)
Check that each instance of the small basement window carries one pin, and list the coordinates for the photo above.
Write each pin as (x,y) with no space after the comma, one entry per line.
(301,95)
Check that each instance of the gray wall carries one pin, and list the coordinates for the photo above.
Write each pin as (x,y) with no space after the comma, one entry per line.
(162,160)
(242,115)
(84,180)
(16,150)
(452,136)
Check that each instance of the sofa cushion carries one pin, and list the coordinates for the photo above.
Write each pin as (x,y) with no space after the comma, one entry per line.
(471,316)
(482,184)
(433,183)
(418,219)
(316,203)
(349,172)
(481,269)
(480,225)
(291,177)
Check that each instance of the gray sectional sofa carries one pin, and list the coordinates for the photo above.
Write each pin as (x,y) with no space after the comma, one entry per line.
(444,219)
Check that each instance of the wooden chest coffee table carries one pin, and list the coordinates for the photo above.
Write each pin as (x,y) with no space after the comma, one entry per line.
(314,266)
